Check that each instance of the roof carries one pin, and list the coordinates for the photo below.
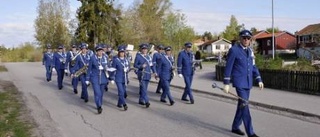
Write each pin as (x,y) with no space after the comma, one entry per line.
(262,32)
(214,41)
(310,29)
(269,35)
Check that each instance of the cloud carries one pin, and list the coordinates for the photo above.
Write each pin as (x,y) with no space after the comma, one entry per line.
(217,22)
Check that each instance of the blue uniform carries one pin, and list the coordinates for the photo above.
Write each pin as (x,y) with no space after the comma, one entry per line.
(166,74)
(240,69)
(81,61)
(157,60)
(144,74)
(186,68)
(98,77)
(120,76)
(109,63)
(47,60)
(75,80)
(59,59)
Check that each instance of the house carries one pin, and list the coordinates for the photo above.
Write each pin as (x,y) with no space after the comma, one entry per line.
(308,41)
(215,46)
(285,42)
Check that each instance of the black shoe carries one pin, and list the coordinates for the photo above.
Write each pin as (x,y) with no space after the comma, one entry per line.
(142,103)
(184,99)
(86,100)
(106,89)
(147,104)
(125,107)
(75,91)
(48,80)
(238,132)
(119,106)
(171,103)
(254,135)
(192,101)
(60,88)
(158,92)
(162,100)
(99,110)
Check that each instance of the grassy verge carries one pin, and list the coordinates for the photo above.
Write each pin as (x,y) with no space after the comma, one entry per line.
(3,68)
(13,114)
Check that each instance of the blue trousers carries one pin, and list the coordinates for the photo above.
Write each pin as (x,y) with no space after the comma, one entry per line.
(121,92)
(166,90)
(159,87)
(98,93)
(243,113)
(48,72)
(75,82)
(143,91)
(60,73)
(187,89)
(84,90)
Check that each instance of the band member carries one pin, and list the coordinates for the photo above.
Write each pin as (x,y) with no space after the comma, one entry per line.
(98,75)
(186,70)
(157,55)
(71,62)
(105,48)
(47,61)
(59,59)
(120,76)
(80,69)
(144,65)
(166,73)
(241,69)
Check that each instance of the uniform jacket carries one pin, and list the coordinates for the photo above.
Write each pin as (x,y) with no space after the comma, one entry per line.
(157,57)
(144,73)
(93,73)
(185,63)
(123,67)
(59,60)
(70,55)
(240,68)
(166,67)
(47,59)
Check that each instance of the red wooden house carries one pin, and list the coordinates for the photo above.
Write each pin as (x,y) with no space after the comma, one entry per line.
(285,42)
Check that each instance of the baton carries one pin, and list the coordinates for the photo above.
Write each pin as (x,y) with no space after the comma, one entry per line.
(214,85)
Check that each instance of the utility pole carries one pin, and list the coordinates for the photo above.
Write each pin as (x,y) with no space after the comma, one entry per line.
(273,46)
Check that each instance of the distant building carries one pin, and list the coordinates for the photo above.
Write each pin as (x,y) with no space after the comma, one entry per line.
(215,46)
(308,42)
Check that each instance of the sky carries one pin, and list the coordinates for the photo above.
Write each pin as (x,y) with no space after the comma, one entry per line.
(17,20)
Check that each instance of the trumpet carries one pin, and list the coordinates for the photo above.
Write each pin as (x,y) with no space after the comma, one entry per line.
(73,59)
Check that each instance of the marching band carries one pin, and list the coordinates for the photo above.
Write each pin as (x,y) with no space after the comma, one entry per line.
(103,66)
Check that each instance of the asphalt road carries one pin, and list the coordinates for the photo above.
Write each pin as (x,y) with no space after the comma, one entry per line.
(62,113)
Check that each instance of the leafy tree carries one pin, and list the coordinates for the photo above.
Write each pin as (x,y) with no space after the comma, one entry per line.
(98,22)
(207,36)
(254,30)
(232,30)
(51,23)
(276,29)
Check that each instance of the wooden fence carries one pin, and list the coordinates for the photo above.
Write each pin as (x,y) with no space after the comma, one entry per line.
(296,81)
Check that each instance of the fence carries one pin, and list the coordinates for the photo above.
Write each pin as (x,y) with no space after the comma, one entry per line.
(296,81)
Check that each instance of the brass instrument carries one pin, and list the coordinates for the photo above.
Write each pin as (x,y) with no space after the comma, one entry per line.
(81,71)
(73,59)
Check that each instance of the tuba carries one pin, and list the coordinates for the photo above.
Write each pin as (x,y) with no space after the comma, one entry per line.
(81,71)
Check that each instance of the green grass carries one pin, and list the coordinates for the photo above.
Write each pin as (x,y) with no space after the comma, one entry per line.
(13,121)
(3,68)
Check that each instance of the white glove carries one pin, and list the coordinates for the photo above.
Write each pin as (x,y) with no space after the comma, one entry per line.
(65,71)
(112,82)
(226,88)
(87,82)
(100,67)
(261,85)
(180,75)
(53,70)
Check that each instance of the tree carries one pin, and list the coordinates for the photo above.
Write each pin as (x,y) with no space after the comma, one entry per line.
(276,29)
(207,36)
(254,30)
(51,25)
(98,22)
(232,30)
